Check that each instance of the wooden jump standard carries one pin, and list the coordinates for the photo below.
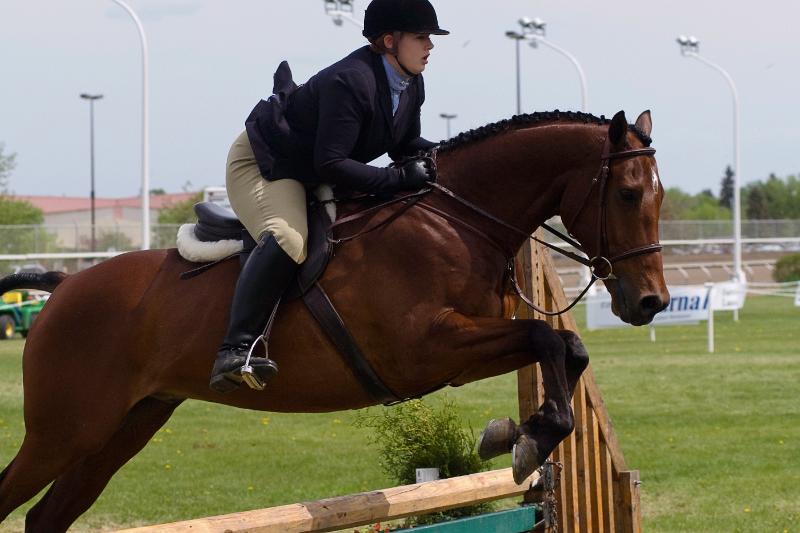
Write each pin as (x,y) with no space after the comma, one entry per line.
(596,493)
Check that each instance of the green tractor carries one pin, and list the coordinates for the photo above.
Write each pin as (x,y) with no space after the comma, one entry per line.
(18,310)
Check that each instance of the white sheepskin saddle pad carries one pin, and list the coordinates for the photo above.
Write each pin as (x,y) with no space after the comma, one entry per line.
(192,249)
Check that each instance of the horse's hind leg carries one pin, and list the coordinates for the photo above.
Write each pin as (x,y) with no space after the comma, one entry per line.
(59,433)
(76,490)
(65,421)
(32,469)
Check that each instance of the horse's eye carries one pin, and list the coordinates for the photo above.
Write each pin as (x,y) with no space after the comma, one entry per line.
(629,196)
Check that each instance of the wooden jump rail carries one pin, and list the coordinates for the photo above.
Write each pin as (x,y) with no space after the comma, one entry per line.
(596,494)
(360,509)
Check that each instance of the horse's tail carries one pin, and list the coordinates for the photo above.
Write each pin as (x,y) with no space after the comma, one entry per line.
(28,280)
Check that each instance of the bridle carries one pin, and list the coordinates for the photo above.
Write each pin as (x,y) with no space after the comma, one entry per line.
(601,181)
(596,263)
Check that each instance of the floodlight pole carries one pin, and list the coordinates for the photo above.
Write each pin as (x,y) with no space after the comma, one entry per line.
(517,37)
(535,31)
(448,117)
(145,127)
(690,48)
(584,91)
(92,98)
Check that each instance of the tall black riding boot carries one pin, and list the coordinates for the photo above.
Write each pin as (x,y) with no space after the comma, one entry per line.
(262,281)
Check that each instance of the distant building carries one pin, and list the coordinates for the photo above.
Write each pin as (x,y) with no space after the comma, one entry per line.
(69,218)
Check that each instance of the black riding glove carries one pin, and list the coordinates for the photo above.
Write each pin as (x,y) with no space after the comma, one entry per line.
(416,174)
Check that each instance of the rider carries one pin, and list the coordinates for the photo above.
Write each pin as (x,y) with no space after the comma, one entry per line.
(324,131)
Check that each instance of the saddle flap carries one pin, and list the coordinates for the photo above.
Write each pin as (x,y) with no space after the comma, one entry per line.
(319,253)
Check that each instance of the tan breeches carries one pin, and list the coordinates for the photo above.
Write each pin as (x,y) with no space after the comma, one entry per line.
(277,207)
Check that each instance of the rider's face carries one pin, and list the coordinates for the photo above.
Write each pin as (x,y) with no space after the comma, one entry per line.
(413,50)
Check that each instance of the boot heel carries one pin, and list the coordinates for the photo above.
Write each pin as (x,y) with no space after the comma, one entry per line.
(223,384)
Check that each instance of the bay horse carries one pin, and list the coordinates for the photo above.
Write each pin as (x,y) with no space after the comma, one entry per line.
(426,297)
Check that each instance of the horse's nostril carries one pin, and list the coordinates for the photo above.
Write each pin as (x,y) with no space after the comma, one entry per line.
(651,304)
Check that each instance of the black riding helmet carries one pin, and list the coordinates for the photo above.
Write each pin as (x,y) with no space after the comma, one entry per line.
(413,16)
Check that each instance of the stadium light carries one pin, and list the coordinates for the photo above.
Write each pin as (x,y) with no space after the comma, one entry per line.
(690,47)
(341,10)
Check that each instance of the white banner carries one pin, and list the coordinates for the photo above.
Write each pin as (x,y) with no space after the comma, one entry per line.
(688,304)
(728,296)
(797,296)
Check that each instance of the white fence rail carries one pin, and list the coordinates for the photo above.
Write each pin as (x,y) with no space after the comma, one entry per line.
(68,246)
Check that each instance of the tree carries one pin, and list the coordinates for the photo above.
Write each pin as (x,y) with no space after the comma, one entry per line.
(680,205)
(726,189)
(706,207)
(676,204)
(177,213)
(28,236)
(757,203)
(19,212)
(112,240)
(774,198)
(180,212)
(7,164)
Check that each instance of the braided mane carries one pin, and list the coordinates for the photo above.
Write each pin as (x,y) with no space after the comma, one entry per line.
(528,120)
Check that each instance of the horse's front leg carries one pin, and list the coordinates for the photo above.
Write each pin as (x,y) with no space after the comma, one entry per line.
(495,346)
(503,435)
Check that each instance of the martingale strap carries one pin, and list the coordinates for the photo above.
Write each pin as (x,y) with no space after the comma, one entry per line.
(334,327)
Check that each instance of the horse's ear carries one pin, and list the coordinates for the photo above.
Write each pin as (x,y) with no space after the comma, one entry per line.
(618,129)
(645,123)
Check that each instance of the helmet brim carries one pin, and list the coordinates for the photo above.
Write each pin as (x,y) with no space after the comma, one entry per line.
(429,31)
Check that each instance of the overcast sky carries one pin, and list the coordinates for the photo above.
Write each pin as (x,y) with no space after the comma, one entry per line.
(211,60)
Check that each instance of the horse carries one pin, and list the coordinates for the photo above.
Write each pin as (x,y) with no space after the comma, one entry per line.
(120,345)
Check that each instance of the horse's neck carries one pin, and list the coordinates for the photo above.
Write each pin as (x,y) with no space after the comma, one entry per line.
(520,176)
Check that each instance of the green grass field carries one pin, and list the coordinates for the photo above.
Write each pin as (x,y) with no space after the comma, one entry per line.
(715,437)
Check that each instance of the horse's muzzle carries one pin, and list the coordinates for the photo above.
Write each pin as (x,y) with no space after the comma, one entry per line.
(651,305)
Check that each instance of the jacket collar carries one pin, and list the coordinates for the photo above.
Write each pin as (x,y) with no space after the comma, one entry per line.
(384,94)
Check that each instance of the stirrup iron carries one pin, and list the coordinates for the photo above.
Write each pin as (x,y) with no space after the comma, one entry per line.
(248,374)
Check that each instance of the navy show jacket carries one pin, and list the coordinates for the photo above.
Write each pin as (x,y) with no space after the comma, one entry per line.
(326,130)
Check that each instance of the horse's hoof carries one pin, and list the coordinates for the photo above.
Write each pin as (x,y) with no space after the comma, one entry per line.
(524,458)
(497,438)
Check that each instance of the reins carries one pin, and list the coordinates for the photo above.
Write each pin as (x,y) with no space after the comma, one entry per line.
(599,261)
(408,199)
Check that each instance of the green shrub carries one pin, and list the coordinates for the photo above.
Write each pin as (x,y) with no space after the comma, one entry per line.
(415,435)
(787,268)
